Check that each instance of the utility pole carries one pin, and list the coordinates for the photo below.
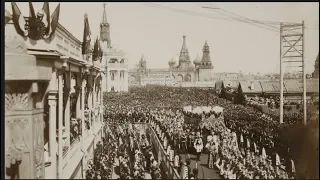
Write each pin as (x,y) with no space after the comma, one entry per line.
(281,78)
(292,53)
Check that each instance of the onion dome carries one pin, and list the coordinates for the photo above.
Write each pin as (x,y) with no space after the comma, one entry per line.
(142,60)
(172,62)
(197,60)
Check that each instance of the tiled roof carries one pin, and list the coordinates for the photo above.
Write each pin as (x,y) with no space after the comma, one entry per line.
(246,86)
(232,83)
(293,85)
(270,86)
(312,85)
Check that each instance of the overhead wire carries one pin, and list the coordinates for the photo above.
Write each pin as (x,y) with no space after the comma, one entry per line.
(193,13)
(268,25)
(243,17)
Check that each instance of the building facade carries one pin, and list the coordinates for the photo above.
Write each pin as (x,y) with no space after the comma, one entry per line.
(184,71)
(315,73)
(54,104)
(114,60)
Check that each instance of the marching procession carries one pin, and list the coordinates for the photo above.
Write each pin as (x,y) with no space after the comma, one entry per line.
(74,109)
(184,132)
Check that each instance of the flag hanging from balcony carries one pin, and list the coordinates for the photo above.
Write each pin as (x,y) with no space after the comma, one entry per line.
(37,25)
(18,20)
(46,17)
(86,36)
(54,21)
(95,53)
(100,49)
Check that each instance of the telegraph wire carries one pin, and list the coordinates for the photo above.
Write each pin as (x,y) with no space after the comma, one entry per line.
(193,13)
(268,25)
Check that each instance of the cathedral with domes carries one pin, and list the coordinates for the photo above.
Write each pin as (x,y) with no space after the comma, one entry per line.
(201,69)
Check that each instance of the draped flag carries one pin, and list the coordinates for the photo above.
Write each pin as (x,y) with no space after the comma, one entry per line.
(255,147)
(100,51)
(86,36)
(293,168)
(18,20)
(95,53)
(264,154)
(35,26)
(32,14)
(46,17)
(241,138)
(277,160)
(54,20)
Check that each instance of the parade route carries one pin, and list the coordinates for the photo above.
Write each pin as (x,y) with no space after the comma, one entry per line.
(116,168)
(204,171)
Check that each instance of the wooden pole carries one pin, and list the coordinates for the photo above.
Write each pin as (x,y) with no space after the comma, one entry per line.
(304,80)
(281,78)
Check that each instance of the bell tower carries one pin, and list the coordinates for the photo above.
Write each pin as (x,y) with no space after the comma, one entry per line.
(205,68)
(105,28)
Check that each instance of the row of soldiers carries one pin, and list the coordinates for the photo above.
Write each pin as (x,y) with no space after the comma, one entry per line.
(232,155)
(136,159)
(174,148)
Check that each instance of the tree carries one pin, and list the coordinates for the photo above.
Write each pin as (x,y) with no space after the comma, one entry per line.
(223,91)
(239,99)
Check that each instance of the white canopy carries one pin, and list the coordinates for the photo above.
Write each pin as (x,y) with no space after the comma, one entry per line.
(206,109)
(217,109)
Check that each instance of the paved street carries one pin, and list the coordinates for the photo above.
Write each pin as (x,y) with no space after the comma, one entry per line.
(204,171)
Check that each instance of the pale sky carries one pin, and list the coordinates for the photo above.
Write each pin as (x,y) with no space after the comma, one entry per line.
(137,28)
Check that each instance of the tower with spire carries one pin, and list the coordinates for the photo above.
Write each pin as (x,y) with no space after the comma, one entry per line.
(205,68)
(114,62)
(184,59)
(105,28)
(142,64)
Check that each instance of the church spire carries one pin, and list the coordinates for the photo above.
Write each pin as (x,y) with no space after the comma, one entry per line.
(104,15)
(105,28)
(184,48)
(184,53)
(206,53)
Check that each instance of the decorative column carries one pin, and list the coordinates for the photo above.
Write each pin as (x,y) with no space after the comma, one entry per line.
(101,99)
(83,86)
(108,80)
(118,81)
(89,89)
(52,102)
(126,81)
(94,101)
(60,119)
(66,94)
(122,81)
(78,89)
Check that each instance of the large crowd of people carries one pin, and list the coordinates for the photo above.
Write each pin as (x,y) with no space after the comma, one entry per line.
(181,132)
(126,148)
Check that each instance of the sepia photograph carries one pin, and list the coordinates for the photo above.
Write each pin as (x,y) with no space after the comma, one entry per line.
(161,90)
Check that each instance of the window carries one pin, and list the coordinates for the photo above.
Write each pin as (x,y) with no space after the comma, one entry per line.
(113,60)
